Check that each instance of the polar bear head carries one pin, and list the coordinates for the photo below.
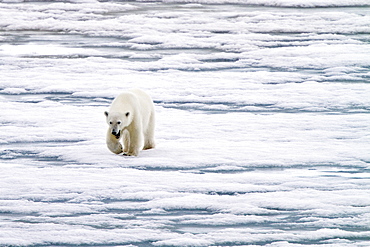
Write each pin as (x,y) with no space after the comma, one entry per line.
(118,122)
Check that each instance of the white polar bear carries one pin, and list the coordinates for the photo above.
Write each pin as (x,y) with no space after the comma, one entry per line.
(131,117)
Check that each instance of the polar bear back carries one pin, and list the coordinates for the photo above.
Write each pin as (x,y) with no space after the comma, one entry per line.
(135,100)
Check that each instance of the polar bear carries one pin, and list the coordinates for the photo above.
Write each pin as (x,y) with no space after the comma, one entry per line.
(131,117)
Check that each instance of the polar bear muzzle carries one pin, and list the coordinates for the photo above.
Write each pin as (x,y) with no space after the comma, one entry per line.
(116,134)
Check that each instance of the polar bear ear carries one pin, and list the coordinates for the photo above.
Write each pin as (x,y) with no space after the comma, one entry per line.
(106,113)
(127,114)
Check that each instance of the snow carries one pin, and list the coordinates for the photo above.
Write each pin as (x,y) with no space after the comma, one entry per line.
(262,123)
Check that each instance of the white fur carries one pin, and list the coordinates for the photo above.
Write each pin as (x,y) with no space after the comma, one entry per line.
(136,129)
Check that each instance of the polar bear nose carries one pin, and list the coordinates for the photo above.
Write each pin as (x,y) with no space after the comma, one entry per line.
(116,133)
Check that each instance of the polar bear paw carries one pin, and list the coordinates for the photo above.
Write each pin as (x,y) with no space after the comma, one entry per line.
(115,148)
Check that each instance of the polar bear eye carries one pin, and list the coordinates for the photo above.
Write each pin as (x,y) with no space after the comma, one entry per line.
(110,123)
(127,114)
(119,122)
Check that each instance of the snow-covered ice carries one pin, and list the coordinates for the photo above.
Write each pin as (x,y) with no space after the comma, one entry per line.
(263,125)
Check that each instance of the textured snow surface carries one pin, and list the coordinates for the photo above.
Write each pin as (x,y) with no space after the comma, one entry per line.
(263,124)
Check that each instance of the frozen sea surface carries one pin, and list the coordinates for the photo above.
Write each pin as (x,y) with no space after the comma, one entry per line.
(263,127)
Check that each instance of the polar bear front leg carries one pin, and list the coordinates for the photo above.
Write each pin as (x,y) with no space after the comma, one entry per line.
(135,143)
(126,141)
(113,143)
